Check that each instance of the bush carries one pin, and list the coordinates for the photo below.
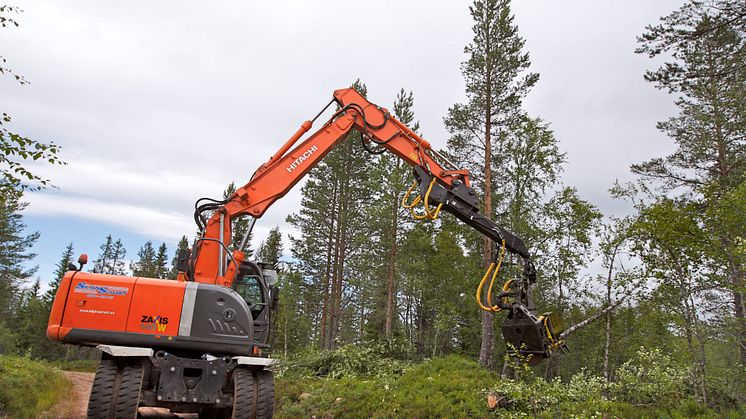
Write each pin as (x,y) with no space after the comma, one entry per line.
(358,360)
(28,387)
(650,378)
(455,386)
(443,387)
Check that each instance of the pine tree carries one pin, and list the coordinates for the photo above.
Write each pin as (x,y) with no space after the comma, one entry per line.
(15,253)
(118,253)
(239,226)
(161,259)
(102,264)
(59,272)
(183,245)
(495,87)
(146,264)
(705,47)
(333,235)
(270,250)
(389,180)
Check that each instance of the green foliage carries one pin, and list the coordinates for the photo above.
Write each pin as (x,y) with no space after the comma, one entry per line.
(651,378)
(443,387)
(355,360)
(270,250)
(15,254)
(28,388)
(183,245)
(59,272)
(455,386)
(145,265)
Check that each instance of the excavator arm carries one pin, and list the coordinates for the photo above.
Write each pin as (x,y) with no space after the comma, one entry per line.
(439,185)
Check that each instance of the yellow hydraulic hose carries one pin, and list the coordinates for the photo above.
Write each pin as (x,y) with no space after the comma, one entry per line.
(506,286)
(411,205)
(426,204)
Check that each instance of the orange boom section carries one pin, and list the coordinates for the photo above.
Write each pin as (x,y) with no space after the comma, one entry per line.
(294,160)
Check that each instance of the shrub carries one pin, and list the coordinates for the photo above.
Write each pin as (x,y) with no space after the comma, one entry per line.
(357,360)
(650,378)
(443,387)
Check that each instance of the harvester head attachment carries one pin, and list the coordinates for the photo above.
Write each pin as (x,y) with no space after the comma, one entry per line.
(533,338)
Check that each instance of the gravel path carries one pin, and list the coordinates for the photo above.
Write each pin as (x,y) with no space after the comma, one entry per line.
(76,405)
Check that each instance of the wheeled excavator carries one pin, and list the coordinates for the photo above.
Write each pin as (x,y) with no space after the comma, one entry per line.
(200,344)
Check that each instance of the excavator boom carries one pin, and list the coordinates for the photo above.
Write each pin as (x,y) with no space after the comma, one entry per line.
(438,182)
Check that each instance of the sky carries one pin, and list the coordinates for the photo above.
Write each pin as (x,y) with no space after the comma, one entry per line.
(156,104)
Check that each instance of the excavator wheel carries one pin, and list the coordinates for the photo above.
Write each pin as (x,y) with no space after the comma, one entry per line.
(243,394)
(116,390)
(265,394)
(243,399)
(253,397)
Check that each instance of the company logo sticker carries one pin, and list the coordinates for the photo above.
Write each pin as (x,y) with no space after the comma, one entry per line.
(294,165)
(100,291)
(154,323)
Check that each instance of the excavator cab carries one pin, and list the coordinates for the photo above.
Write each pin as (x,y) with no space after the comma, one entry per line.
(255,283)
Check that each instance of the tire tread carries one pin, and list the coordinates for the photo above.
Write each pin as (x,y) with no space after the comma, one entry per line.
(103,389)
(244,394)
(265,394)
(128,396)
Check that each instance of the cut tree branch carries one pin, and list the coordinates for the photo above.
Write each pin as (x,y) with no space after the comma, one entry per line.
(589,320)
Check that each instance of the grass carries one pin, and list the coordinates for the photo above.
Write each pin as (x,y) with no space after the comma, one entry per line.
(28,388)
(85,365)
(455,386)
(444,387)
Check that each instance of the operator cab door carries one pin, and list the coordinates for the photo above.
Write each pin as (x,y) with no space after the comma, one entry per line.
(250,285)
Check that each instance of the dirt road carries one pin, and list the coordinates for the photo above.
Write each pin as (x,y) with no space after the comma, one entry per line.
(76,405)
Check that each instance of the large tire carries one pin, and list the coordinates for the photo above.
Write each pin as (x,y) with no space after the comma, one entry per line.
(265,394)
(101,400)
(244,394)
(128,394)
(116,390)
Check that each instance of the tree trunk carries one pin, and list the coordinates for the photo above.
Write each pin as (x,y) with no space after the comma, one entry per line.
(341,253)
(325,308)
(736,279)
(485,351)
(391,271)
(738,303)
(607,344)
(590,320)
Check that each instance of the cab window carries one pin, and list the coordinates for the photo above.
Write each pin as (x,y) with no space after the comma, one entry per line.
(249,288)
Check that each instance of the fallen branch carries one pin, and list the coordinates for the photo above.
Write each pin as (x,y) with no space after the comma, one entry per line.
(589,320)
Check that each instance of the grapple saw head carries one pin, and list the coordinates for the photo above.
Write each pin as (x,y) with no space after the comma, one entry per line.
(533,336)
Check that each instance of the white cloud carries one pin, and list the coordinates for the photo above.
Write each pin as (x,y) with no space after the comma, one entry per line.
(159,103)
(146,221)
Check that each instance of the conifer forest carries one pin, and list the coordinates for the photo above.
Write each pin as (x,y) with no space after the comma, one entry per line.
(377,315)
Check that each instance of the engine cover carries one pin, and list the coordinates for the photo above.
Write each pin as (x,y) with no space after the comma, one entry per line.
(92,309)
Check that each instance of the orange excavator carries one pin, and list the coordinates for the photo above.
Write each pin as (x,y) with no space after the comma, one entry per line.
(200,344)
